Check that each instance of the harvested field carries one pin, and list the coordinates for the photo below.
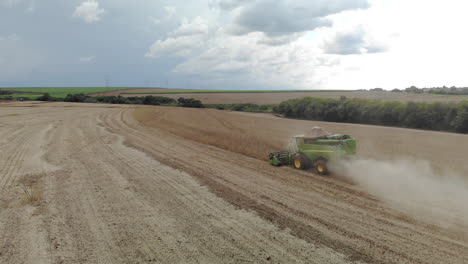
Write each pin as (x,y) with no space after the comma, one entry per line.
(275,98)
(125,184)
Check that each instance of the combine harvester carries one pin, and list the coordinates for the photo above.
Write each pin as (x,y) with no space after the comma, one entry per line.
(315,149)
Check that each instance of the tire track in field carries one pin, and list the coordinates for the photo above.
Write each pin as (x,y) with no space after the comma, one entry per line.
(13,162)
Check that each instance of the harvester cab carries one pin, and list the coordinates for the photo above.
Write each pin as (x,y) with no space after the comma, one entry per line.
(315,150)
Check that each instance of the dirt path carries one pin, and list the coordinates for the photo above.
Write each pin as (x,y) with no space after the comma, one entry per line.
(108,189)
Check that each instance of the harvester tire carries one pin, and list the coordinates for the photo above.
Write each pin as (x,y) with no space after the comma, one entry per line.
(321,167)
(300,162)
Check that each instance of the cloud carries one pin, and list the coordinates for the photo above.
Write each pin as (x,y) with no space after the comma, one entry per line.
(354,41)
(89,11)
(285,17)
(89,59)
(279,40)
(183,41)
(197,27)
(242,58)
(179,46)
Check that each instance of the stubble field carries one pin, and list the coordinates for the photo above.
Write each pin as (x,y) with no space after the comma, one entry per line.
(90,183)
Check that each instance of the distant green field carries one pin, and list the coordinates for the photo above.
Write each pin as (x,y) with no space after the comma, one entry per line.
(61,92)
(234,91)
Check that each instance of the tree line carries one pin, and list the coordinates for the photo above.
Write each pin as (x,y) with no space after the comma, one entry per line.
(437,116)
(436,90)
(145,100)
(5,92)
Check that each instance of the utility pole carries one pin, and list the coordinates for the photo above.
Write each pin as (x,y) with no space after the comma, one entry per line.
(107,80)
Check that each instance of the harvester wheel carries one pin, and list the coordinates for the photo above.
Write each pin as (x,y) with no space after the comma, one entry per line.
(300,162)
(321,167)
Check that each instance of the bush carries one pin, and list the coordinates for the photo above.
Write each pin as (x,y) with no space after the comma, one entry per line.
(460,123)
(189,102)
(147,100)
(242,107)
(5,92)
(76,98)
(46,97)
(157,100)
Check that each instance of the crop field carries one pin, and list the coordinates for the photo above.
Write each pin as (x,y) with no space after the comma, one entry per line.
(275,97)
(101,183)
(60,92)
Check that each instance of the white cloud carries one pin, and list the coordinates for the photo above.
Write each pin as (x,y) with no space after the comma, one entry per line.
(242,57)
(183,41)
(197,27)
(293,59)
(89,59)
(178,46)
(89,11)
(423,51)
(389,44)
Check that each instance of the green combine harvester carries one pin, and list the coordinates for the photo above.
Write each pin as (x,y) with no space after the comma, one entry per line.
(315,150)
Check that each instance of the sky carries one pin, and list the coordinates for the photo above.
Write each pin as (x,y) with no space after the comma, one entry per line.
(234,44)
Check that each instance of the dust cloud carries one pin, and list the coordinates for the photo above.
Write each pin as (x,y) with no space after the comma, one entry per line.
(413,187)
(292,146)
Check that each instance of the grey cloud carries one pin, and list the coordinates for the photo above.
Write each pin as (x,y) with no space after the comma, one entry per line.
(278,41)
(354,42)
(345,43)
(376,48)
(283,17)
